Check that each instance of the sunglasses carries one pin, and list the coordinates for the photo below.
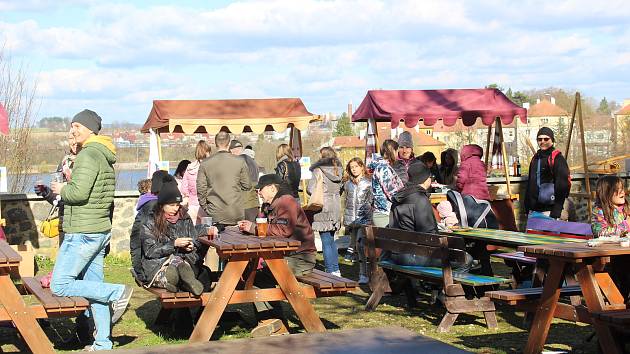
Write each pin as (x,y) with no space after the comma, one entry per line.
(544,139)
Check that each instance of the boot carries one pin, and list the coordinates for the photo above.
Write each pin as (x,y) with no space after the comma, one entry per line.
(172,279)
(187,277)
(267,327)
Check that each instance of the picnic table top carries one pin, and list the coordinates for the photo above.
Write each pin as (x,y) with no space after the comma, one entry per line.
(8,256)
(232,241)
(575,250)
(510,238)
(365,341)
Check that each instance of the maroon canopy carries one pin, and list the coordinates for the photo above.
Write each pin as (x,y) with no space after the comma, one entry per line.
(431,105)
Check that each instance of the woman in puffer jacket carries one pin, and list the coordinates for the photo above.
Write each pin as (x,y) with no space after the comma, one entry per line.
(172,256)
(328,220)
(188,185)
(358,210)
(471,176)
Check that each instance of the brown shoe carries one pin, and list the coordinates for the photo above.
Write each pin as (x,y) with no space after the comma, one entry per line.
(266,328)
(283,330)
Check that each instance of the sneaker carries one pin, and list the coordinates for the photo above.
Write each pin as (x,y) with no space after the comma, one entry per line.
(120,306)
(337,273)
(266,328)
(349,257)
(363,279)
(89,348)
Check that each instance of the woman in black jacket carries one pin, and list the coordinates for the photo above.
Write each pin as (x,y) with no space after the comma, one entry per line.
(172,256)
(288,169)
(548,167)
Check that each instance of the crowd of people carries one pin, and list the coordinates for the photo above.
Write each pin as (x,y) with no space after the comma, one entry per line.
(228,186)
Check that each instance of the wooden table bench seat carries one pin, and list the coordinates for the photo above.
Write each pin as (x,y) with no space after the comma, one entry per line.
(516,296)
(326,284)
(619,319)
(55,306)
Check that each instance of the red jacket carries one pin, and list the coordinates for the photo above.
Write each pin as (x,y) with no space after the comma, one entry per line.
(471,176)
(287,219)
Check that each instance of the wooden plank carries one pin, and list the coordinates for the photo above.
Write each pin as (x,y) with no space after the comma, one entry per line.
(420,238)
(38,311)
(289,285)
(274,294)
(338,282)
(316,281)
(48,300)
(10,255)
(608,288)
(455,255)
(23,318)
(523,294)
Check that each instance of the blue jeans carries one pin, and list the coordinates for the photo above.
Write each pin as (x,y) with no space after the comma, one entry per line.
(83,254)
(329,248)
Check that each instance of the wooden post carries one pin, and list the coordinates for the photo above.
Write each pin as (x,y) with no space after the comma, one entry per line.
(488,145)
(575,105)
(505,159)
(587,179)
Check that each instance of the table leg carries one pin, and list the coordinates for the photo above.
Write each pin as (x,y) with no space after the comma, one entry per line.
(292,290)
(547,307)
(219,298)
(595,303)
(22,317)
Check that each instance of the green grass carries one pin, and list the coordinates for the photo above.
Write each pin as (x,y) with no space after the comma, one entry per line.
(136,329)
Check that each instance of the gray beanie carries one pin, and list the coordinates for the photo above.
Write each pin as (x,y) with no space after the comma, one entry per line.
(88,119)
(405,139)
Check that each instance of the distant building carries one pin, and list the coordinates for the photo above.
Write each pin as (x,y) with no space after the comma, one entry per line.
(622,126)
(545,113)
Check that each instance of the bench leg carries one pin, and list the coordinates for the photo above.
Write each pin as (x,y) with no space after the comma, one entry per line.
(447,322)
(491,319)
(410,292)
(379,284)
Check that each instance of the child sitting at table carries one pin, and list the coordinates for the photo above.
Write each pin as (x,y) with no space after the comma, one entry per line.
(448,216)
(172,256)
(611,212)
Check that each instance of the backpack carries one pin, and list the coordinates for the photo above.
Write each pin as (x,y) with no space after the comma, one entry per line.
(552,159)
(471,211)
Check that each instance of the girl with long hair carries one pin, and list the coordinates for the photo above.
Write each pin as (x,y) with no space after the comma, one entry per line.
(288,169)
(385,182)
(188,185)
(358,210)
(611,212)
(328,220)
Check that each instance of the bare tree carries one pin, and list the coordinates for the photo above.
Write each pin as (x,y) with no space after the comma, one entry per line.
(17,94)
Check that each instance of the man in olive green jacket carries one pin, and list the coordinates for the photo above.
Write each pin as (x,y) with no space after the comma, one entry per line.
(88,198)
(221,181)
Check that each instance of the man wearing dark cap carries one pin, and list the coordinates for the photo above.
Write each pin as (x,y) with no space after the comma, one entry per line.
(411,208)
(221,181)
(88,200)
(405,155)
(285,219)
(548,180)
(250,198)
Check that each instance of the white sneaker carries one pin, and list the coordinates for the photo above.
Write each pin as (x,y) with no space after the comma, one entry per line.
(363,279)
(337,273)
(119,306)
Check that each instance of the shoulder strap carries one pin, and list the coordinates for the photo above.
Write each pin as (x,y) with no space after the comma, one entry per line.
(538,175)
(552,158)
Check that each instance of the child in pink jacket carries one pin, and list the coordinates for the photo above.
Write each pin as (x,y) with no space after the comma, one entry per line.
(471,176)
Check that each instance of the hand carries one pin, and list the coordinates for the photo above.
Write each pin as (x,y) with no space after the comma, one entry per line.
(41,190)
(56,187)
(183,242)
(244,225)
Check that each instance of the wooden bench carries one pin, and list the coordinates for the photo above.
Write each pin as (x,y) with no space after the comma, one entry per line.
(444,249)
(55,306)
(326,284)
(619,319)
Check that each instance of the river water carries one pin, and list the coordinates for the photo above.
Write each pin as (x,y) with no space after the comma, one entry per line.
(126,180)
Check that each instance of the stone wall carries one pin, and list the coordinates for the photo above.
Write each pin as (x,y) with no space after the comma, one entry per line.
(24,213)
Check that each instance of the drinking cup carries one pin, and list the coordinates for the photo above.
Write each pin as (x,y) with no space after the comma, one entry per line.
(261,227)
(206,220)
(56,177)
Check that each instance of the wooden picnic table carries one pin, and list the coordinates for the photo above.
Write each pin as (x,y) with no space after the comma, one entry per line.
(361,341)
(598,289)
(505,238)
(240,250)
(13,308)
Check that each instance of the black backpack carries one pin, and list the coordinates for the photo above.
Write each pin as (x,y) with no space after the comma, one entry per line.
(472,212)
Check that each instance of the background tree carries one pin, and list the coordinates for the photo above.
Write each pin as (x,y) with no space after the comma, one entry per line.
(603,108)
(17,94)
(344,127)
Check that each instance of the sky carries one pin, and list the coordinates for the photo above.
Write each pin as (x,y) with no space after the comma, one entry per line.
(116,57)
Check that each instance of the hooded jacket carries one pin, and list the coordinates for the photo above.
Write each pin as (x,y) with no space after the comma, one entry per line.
(291,173)
(156,251)
(412,211)
(385,183)
(447,175)
(329,218)
(471,176)
(89,196)
(559,176)
(189,183)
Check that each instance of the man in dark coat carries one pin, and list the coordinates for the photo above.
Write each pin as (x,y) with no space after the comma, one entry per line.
(411,207)
(558,174)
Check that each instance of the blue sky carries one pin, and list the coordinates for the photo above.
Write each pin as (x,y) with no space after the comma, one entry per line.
(116,57)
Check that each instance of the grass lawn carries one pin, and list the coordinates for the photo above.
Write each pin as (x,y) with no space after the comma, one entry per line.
(136,329)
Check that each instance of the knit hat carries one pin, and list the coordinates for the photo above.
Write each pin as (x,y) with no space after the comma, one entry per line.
(418,173)
(266,180)
(235,144)
(546,131)
(158,178)
(88,119)
(169,193)
(405,139)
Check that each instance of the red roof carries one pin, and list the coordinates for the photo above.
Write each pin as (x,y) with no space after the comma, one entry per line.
(384,132)
(348,141)
(546,109)
(625,111)
(433,105)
